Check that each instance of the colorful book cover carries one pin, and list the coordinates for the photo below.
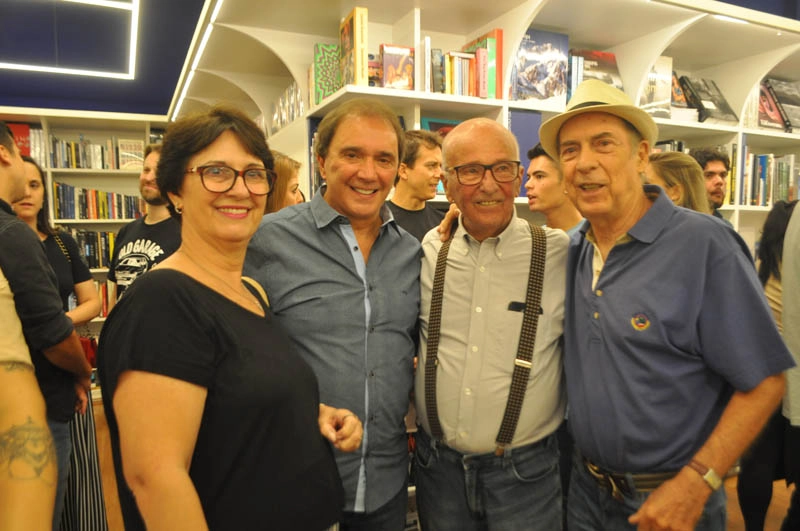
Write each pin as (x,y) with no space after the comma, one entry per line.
(353,43)
(398,66)
(787,96)
(131,154)
(22,137)
(540,67)
(657,93)
(678,97)
(599,65)
(769,116)
(493,42)
(326,72)
(437,64)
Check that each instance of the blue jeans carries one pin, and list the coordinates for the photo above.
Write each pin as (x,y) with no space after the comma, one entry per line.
(63,445)
(391,516)
(520,490)
(592,508)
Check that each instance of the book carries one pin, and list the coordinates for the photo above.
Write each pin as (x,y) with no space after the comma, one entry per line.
(398,66)
(657,94)
(769,116)
(22,137)
(325,71)
(787,97)
(540,67)
(678,98)
(437,65)
(704,95)
(131,154)
(598,65)
(493,42)
(425,64)
(353,43)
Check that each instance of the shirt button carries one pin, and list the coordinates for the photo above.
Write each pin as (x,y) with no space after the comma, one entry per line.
(478,309)
(474,348)
(596,315)
(372,374)
(467,391)
(463,434)
(481,269)
(371,329)
(599,293)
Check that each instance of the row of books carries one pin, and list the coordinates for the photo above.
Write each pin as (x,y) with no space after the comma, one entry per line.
(475,69)
(114,154)
(96,246)
(765,178)
(71,202)
(31,142)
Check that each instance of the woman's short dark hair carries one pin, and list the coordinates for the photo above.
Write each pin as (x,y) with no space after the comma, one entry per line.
(770,250)
(194,132)
(43,223)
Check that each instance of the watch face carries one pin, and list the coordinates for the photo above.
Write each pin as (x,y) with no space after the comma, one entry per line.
(713,479)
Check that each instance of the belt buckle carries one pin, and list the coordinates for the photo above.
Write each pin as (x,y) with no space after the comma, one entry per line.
(605,480)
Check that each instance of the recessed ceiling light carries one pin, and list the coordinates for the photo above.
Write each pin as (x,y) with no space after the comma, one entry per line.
(130,5)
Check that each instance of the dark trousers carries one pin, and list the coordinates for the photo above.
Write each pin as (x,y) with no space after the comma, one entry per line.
(391,516)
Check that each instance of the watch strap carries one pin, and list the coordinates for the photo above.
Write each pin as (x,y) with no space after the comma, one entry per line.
(709,475)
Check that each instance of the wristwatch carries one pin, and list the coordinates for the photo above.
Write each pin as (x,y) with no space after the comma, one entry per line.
(709,475)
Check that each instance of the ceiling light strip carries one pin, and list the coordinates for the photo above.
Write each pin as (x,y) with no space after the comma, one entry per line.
(68,71)
(128,6)
(183,95)
(202,47)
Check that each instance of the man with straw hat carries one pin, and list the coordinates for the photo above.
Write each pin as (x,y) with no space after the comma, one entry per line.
(671,356)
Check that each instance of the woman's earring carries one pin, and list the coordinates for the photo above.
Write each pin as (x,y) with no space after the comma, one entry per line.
(179,209)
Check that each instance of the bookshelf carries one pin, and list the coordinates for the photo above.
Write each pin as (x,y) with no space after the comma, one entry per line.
(274,47)
(95,128)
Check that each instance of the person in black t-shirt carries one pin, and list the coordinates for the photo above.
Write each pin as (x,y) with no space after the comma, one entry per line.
(417,178)
(214,420)
(143,243)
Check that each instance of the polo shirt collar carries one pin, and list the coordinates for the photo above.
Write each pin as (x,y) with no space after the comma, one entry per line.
(325,215)
(6,207)
(652,223)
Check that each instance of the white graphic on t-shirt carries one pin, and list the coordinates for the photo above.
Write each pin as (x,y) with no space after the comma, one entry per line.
(136,258)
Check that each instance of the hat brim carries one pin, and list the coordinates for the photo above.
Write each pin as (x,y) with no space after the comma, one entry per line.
(639,119)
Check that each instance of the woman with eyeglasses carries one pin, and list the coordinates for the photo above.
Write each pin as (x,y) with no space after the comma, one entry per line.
(215,421)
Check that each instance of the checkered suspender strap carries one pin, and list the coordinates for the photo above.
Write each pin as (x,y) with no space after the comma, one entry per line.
(522,364)
(530,321)
(432,352)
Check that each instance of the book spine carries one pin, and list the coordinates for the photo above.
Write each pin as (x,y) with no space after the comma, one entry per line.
(481,65)
(360,48)
(692,97)
(787,124)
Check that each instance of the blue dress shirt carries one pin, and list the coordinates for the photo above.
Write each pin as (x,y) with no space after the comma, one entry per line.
(355,323)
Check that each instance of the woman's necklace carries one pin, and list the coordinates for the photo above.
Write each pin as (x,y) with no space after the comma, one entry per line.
(246,296)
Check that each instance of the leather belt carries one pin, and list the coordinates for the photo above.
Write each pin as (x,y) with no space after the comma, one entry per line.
(619,484)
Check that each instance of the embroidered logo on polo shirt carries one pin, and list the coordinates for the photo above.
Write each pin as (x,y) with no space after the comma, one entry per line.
(640,322)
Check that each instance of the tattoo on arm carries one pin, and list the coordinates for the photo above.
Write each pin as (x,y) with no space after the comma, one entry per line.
(26,450)
(10,366)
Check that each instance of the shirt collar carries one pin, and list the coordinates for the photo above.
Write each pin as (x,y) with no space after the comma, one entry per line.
(6,207)
(651,224)
(499,241)
(325,215)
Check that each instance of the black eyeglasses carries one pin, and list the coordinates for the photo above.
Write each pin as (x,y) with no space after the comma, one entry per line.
(219,179)
(504,171)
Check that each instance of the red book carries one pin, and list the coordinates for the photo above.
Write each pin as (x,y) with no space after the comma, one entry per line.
(22,137)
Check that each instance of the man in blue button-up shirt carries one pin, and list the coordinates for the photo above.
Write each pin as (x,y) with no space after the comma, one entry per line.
(343,279)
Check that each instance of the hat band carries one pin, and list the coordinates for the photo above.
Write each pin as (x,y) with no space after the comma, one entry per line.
(589,104)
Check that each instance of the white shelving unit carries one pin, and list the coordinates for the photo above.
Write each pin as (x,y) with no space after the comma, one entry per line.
(95,127)
(257,48)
